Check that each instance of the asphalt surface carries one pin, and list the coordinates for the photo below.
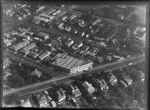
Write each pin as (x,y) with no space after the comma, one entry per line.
(56,80)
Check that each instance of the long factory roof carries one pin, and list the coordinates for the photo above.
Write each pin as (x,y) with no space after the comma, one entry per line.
(69,62)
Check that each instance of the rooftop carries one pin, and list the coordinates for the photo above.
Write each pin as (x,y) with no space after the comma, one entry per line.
(69,62)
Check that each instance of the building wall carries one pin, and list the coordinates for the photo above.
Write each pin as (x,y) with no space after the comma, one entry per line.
(81,68)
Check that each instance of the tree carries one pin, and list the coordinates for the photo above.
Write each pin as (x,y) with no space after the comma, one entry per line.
(13,100)
(134,18)
(15,81)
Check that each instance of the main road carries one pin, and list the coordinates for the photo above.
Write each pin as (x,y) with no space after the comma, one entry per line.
(66,77)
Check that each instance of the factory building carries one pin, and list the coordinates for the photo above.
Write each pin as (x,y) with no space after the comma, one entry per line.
(33,54)
(59,13)
(43,35)
(38,19)
(48,16)
(50,11)
(44,55)
(71,64)
(26,49)
(20,45)
(44,17)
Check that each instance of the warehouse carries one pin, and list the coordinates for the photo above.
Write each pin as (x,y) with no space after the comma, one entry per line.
(20,45)
(46,16)
(26,49)
(71,64)
(60,13)
(43,35)
(33,54)
(39,19)
(49,12)
(44,55)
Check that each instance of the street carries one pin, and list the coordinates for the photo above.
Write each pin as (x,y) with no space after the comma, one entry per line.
(46,84)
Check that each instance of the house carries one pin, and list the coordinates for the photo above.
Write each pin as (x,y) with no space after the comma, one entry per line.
(90,89)
(42,35)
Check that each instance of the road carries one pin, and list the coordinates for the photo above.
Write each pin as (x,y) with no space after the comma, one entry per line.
(46,84)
